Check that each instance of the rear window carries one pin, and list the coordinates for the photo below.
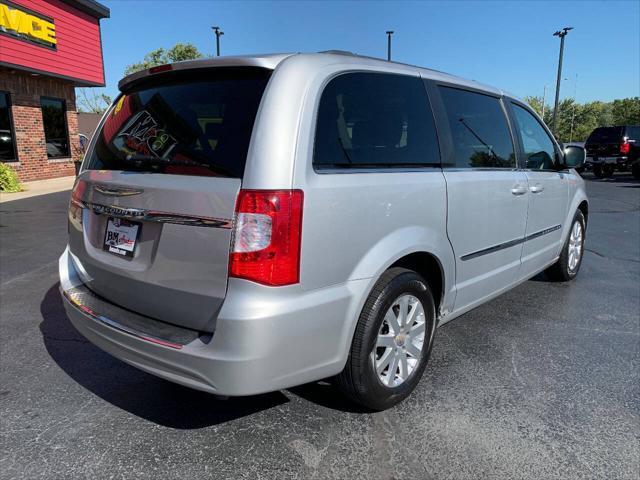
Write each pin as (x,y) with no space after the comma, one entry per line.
(191,124)
(605,135)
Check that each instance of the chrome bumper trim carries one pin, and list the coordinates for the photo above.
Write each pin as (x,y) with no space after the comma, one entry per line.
(74,298)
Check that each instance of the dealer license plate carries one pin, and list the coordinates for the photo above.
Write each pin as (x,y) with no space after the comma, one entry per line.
(121,236)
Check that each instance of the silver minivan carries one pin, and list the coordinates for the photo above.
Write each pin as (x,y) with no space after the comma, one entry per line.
(246,224)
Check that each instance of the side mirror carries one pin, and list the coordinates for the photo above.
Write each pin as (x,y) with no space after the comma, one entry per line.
(574,156)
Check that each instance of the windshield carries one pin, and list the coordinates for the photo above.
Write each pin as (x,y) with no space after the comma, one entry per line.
(605,135)
(194,124)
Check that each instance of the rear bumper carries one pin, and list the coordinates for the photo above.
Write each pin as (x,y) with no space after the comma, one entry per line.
(598,160)
(266,338)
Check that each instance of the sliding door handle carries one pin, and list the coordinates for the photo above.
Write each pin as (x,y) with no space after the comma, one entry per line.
(519,190)
(537,188)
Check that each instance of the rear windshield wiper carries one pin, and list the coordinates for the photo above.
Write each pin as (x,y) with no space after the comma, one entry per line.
(151,161)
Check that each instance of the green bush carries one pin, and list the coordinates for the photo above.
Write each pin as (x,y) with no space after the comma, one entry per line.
(9,179)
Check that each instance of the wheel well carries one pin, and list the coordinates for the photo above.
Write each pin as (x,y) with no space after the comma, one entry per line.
(584,208)
(428,267)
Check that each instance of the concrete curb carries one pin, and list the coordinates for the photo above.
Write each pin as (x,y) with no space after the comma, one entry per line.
(39,187)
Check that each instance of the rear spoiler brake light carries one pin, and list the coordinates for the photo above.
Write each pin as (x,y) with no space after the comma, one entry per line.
(160,68)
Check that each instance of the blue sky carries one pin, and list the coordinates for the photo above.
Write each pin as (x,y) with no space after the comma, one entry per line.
(505,44)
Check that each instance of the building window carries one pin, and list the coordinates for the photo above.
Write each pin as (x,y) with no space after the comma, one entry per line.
(7,135)
(55,127)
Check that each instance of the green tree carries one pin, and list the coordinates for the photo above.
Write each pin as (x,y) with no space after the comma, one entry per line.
(626,111)
(90,101)
(160,56)
(576,121)
(588,117)
(568,112)
(536,104)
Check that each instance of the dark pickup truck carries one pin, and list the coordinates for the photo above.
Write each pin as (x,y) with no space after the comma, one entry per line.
(614,148)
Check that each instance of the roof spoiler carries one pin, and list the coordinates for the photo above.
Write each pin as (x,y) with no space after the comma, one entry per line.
(259,61)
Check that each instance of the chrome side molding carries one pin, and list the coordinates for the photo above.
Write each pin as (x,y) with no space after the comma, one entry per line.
(510,243)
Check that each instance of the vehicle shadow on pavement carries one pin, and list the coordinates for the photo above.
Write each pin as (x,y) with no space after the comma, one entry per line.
(130,389)
(616,179)
(541,277)
(323,393)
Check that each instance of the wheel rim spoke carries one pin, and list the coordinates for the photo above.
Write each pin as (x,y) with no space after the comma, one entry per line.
(384,361)
(393,368)
(414,351)
(403,311)
(404,366)
(415,313)
(392,321)
(417,330)
(386,341)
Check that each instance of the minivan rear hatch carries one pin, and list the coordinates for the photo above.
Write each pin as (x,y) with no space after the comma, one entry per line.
(151,213)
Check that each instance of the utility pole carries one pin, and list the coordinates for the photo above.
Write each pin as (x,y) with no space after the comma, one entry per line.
(544,98)
(560,33)
(218,33)
(389,33)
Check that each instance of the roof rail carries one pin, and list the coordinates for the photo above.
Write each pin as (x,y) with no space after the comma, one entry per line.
(340,52)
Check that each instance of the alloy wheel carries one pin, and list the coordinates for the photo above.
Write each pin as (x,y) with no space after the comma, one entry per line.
(575,246)
(400,341)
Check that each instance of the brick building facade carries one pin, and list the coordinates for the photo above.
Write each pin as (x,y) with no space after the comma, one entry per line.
(31,150)
(38,120)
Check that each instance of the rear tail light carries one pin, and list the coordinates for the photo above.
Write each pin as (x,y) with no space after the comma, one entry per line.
(267,237)
(76,205)
(624,147)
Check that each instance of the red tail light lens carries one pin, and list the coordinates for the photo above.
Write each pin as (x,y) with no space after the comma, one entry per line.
(624,147)
(267,237)
(161,68)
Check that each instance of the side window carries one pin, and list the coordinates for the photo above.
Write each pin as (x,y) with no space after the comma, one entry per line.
(7,135)
(55,127)
(539,150)
(634,133)
(479,130)
(374,120)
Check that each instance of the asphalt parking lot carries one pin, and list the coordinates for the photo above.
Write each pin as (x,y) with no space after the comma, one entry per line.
(543,382)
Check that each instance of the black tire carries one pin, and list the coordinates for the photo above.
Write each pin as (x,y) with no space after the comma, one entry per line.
(561,271)
(359,381)
(603,171)
(635,170)
(597,171)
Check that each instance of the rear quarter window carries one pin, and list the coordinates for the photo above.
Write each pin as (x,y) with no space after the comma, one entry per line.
(375,120)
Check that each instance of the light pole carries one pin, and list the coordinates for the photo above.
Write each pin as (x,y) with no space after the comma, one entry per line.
(560,33)
(218,33)
(389,33)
